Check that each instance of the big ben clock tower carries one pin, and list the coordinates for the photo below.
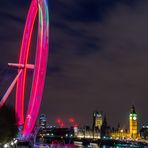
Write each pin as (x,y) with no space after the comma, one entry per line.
(133,123)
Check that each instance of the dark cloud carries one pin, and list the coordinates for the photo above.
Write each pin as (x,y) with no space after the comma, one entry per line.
(86,11)
(113,75)
(11,17)
(97,56)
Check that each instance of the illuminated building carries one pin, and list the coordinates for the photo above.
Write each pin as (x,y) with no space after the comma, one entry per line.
(42,121)
(119,134)
(97,124)
(133,123)
(87,133)
(97,120)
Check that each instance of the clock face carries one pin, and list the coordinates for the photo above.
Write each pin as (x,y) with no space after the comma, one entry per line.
(134,118)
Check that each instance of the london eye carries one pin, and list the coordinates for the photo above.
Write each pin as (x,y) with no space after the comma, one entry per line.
(37,8)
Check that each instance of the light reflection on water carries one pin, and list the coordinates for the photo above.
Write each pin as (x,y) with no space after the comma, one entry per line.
(95,146)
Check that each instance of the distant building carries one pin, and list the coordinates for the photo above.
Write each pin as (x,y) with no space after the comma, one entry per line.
(97,124)
(133,127)
(42,121)
(97,120)
(94,132)
(144,132)
(119,134)
(87,133)
(105,129)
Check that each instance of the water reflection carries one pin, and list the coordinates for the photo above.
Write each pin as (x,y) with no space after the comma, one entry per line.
(96,146)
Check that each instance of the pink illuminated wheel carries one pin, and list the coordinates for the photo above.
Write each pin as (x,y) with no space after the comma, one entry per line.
(39,7)
(39,67)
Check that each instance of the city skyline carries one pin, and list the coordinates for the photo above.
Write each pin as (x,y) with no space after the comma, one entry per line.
(63,123)
(97,57)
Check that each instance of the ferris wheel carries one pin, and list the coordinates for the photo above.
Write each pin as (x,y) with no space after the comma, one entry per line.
(40,8)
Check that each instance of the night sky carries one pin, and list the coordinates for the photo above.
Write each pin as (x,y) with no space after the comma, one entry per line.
(98,57)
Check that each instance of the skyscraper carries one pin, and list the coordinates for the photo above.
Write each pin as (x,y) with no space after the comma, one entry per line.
(133,123)
(42,121)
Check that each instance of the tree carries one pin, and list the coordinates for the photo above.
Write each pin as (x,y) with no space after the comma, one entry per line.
(8,126)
